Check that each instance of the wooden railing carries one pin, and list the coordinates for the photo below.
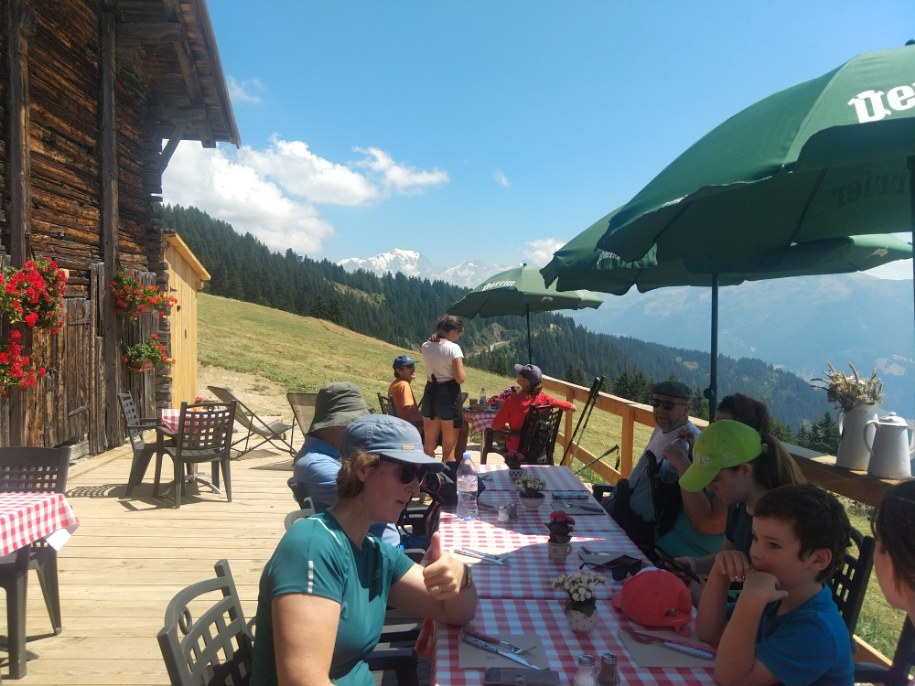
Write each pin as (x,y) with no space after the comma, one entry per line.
(817,468)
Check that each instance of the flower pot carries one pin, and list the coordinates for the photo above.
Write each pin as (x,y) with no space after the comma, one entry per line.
(558,551)
(531,503)
(581,623)
(140,366)
(146,308)
(514,474)
(853,452)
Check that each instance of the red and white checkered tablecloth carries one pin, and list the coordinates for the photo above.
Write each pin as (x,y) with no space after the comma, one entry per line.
(28,517)
(169,419)
(557,478)
(534,522)
(477,420)
(529,571)
(546,619)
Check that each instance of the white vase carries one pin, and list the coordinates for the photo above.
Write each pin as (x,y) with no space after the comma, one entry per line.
(558,551)
(531,503)
(853,452)
(581,623)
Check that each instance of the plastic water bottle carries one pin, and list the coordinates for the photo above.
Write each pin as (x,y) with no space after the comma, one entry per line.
(467,489)
(483,398)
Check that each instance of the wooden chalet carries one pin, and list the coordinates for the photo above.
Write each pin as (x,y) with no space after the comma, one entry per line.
(95,95)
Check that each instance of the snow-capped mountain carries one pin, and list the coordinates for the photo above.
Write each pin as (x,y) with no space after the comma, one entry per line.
(411,263)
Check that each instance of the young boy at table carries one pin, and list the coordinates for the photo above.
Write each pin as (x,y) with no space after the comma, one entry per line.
(784,627)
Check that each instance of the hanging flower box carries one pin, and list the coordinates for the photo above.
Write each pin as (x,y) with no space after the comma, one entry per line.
(142,356)
(131,298)
(33,294)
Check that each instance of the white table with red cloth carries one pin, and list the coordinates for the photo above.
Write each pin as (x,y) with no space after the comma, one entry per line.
(29,517)
(477,420)
(546,620)
(496,477)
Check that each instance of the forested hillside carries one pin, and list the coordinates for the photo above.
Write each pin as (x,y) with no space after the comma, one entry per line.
(402,311)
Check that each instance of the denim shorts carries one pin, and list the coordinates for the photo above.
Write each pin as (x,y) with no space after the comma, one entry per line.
(443,405)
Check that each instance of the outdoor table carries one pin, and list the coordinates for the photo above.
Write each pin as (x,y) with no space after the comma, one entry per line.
(534,522)
(546,619)
(24,519)
(477,420)
(28,517)
(557,478)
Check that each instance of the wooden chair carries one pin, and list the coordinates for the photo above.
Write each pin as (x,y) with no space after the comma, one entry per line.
(31,470)
(212,646)
(537,438)
(897,674)
(387,405)
(204,434)
(849,581)
(273,433)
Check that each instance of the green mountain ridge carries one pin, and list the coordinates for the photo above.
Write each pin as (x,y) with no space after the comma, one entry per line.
(402,310)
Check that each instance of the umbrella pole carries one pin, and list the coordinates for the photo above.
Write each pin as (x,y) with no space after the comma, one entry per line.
(712,391)
(911,166)
(530,351)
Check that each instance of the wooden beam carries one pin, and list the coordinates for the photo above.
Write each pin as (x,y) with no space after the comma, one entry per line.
(170,147)
(110,219)
(178,115)
(130,32)
(18,30)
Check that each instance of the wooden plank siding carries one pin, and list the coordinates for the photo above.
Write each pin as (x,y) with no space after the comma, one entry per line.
(88,92)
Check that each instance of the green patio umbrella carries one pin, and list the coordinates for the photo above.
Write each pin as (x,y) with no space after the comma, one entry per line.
(827,158)
(580,263)
(520,291)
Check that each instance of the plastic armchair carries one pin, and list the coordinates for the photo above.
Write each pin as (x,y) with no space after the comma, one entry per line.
(204,434)
(136,427)
(307,509)
(387,405)
(216,648)
(273,433)
(849,581)
(31,470)
(897,674)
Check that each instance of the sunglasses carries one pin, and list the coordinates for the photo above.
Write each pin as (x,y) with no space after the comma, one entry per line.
(666,404)
(408,472)
(619,568)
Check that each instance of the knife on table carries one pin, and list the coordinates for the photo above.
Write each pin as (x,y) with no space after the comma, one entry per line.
(517,650)
(679,646)
(583,506)
(483,645)
(491,559)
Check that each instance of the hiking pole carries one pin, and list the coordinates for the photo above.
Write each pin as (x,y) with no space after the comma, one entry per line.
(583,418)
(599,458)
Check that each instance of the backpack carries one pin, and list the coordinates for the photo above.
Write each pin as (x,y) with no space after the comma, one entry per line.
(666,499)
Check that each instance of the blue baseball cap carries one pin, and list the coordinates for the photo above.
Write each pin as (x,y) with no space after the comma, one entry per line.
(390,437)
(404,361)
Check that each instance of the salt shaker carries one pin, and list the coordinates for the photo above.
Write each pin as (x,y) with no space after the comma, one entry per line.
(513,511)
(503,513)
(608,675)
(585,674)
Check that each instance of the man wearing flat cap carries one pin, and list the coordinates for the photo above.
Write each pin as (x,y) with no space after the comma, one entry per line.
(401,391)
(318,462)
(650,504)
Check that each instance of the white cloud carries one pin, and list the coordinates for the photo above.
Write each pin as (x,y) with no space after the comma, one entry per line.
(245,91)
(501,178)
(397,177)
(238,194)
(539,252)
(272,193)
(292,165)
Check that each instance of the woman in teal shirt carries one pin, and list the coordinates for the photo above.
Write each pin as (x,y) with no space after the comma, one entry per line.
(324,593)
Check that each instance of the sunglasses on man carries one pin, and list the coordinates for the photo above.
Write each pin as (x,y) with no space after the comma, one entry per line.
(408,472)
(666,404)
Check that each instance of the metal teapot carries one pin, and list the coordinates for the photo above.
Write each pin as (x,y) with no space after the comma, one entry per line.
(891,452)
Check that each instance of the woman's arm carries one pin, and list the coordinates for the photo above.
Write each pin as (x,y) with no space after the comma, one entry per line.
(304,634)
(443,590)
(457,370)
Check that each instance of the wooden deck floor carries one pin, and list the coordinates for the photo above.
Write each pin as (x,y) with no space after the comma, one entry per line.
(129,557)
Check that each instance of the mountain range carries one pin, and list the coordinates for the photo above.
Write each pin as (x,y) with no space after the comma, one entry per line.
(799,324)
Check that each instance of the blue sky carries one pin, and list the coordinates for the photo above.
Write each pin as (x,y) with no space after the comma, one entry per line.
(488,130)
